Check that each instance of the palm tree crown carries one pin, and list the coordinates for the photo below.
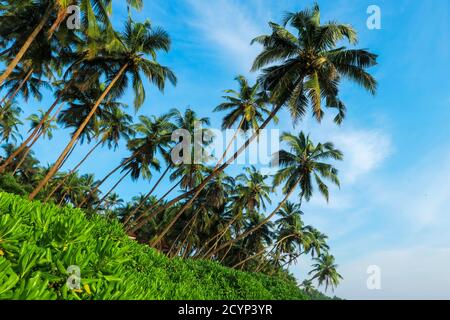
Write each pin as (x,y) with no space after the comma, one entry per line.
(309,64)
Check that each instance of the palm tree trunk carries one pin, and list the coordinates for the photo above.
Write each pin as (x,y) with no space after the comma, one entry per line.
(73,171)
(188,247)
(41,132)
(30,137)
(261,252)
(112,189)
(269,217)
(133,213)
(62,14)
(292,259)
(24,156)
(143,219)
(226,253)
(219,235)
(77,134)
(230,143)
(215,172)
(34,141)
(191,224)
(25,46)
(62,199)
(67,157)
(102,181)
(16,91)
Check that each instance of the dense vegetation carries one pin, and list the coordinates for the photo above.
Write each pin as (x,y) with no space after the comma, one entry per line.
(230,220)
(39,242)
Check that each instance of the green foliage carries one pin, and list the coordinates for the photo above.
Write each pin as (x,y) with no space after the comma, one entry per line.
(9,184)
(38,243)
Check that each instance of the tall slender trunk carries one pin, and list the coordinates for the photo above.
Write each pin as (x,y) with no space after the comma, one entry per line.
(226,253)
(24,156)
(261,252)
(186,251)
(16,91)
(77,134)
(147,196)
(30,137)
(4,98)
(26,45)
(112,189)
(73,171)
(41,132)
(143,219)
(62,199)
(199,188)
(67,157)
(230,143)
(191,223)
(219,235)
(101,182)
(62,14)
(259,225)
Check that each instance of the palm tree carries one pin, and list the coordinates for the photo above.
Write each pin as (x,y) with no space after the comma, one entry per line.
(309,71)
(247,108)
(190,173)
(325,272)
(299,168)
(252,194)
(311,63)
(45,131)
(45,117)
(156,133)
(41,11)
(9,123)
(292,237)
(112,201)
(307,286)
(113,125)
(130,58)
(22,81)
(48,15)
(292,234)
(153,138)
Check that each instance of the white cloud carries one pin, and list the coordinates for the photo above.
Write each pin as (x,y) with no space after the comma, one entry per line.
(364,151)
(230,26)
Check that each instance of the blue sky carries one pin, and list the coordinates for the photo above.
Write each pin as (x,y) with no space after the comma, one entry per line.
(393,207)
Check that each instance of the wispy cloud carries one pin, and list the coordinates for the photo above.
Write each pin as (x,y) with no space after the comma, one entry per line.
(365,149)
(229,26)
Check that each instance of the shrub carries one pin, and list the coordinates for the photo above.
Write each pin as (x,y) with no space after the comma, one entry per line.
(38,243)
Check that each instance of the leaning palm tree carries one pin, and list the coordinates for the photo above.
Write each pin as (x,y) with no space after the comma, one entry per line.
(113,126)
(307,286)
(47,15)
(247,109)
(325,272)
(23,82)
(45,131)
(312,65)
(252,194)
(299,168)
(9,123)
(307,69)
(155,138)
(129,57)
(189,172)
